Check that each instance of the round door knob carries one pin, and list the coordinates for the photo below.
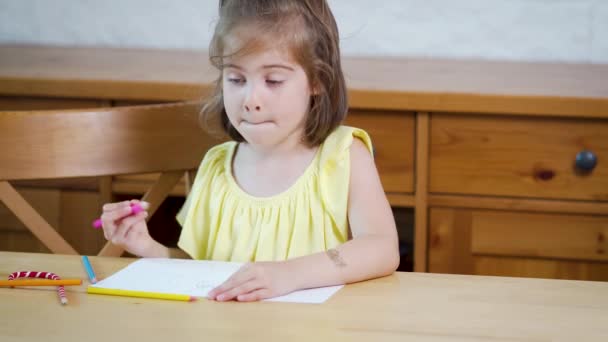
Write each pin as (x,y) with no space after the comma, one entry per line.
(586,160)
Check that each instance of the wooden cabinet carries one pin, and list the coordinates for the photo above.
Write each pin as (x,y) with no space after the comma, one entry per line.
(513,243)
(552,217)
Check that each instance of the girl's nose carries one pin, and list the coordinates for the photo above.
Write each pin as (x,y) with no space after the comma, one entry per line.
(252,101)
(248,108)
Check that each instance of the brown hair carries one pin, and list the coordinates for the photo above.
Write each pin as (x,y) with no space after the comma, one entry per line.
(308,30)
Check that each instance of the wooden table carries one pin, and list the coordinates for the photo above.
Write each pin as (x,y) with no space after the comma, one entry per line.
(405,306)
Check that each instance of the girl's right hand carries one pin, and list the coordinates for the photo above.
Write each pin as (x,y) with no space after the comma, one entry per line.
(127,231)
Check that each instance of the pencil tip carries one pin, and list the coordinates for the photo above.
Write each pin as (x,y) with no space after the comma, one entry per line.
(192,299)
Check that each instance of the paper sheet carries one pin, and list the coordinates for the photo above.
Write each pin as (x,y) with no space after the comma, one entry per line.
(194,278)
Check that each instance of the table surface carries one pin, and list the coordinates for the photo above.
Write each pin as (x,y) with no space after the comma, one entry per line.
(414,306)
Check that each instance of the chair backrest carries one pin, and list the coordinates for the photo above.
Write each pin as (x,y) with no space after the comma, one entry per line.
(110,141)
(99,142)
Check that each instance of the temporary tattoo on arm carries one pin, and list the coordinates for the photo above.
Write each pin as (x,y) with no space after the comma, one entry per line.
(334,255)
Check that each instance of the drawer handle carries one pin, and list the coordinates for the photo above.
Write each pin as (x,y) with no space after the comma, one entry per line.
(585,160)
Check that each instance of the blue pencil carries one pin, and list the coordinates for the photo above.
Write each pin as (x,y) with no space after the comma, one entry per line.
(89,269)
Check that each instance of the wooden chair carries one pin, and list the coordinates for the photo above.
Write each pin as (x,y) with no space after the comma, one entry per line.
(100,142)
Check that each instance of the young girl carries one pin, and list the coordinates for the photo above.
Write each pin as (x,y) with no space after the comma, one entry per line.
(295,195)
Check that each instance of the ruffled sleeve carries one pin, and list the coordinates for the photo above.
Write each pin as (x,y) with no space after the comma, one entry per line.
(334,170)
(212,165)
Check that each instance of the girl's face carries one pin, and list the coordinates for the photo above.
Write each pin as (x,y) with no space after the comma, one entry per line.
(266,97)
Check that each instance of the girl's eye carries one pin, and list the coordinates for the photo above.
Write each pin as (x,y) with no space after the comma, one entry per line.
(236,80)
(274,82)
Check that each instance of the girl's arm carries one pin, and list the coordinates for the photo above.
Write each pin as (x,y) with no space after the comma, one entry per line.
(373,251)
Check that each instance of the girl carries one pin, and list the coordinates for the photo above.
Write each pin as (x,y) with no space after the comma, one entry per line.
(295,194)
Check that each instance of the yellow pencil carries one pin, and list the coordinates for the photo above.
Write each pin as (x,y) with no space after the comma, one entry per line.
(40,282)
(140,294)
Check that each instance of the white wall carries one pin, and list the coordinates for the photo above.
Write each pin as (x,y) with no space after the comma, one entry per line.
(548,30)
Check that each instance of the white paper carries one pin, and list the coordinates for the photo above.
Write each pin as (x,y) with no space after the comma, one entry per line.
(194,278)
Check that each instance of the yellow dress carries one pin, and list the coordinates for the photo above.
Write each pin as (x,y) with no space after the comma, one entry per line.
(220,221)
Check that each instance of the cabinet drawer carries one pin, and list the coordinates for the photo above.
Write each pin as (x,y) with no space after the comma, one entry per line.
(520,157)
(509,243)
(392,135)
(572,237)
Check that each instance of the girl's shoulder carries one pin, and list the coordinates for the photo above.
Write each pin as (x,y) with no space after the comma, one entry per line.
(213,164)
(217,155)
(337,145)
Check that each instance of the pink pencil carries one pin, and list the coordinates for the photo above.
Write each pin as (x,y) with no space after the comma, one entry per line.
(135,208)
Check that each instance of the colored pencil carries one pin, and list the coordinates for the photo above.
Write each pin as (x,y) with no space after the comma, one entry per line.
(139,294)
(40,282)
(89,269)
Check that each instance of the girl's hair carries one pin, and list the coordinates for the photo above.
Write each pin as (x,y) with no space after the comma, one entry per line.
(307,30)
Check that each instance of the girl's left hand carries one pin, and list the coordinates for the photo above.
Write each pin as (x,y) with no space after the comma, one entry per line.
(255,281)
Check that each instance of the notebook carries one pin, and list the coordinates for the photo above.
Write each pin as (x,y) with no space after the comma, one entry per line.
(194,278)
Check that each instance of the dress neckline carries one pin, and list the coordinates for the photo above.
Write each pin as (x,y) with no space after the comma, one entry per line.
(299,182)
